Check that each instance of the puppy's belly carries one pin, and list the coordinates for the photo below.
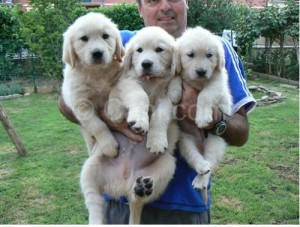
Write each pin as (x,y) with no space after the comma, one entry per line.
(132,158)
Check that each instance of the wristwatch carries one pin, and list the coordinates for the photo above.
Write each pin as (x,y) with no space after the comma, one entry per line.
(220,127)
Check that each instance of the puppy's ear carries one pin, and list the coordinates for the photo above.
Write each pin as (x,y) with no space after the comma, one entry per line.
(127,59)
(174,61)
(69,55)
(177,61)
(120,51)
(221,58)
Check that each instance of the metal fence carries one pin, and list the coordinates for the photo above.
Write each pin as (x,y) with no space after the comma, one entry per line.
(21,71)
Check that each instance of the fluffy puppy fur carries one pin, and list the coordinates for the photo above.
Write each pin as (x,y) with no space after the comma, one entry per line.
(202,65)
(91,50)
(148,68)
(148,83)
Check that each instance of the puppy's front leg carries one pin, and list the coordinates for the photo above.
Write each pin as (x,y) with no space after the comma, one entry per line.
(157,138)
(105,142)
(175,90)
(136,100)
(204,108)
(116,111)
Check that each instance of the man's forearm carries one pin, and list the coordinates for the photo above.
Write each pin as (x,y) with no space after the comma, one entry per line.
(66,111)
(237,131)
(119,127)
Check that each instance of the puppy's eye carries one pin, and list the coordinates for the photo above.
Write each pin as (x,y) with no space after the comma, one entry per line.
(209,55)
(158,50)
(191,55)
(140,50)
(84,38)
(105,36)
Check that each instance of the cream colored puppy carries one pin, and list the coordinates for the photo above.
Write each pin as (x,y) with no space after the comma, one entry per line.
(139,175)
(92,46)
(148,83)
(202,65)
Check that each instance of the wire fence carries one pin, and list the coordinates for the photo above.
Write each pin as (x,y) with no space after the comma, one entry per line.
(21,71)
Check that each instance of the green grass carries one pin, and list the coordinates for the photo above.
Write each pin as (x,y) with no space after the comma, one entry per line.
(259,183)
(256,184)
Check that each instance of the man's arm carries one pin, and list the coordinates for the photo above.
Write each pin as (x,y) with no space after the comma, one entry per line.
(237,131)
(120,127)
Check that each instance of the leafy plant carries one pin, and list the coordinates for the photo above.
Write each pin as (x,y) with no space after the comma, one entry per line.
(9,43)
(42,29)
(213,15)
(10,89)
(126,16)
(275,24)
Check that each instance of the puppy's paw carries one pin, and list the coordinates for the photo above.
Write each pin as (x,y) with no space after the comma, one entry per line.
(201,182)
(174,96)
(156,143)
(225,109)
(143,186)
(138,124)
(203,168)
(203,117)
(175,90)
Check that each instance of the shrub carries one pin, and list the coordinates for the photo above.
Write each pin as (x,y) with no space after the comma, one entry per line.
(126,16)
(9,43)
(10,89)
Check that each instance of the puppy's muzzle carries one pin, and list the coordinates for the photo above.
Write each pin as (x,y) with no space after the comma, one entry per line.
(201,73)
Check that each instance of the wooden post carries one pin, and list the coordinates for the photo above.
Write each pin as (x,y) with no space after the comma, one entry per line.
(11,132)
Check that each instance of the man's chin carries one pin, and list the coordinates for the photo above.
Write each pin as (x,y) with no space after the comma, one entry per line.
(168,26)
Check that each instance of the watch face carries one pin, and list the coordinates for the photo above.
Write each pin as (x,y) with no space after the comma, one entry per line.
(221,128)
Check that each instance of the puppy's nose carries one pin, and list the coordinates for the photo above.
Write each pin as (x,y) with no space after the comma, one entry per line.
(201,72)
(147,64)
(97,54)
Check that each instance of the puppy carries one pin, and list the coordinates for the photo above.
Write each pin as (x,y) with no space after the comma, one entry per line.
(91,50)
(148,79)
(148,68)
(202,65)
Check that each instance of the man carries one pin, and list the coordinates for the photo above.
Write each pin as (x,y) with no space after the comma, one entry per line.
(181,203)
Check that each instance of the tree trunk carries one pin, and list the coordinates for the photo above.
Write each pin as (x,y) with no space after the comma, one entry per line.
(270,57)
(11,132)
(281,72)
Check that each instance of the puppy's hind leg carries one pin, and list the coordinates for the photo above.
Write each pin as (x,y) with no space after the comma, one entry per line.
(136,209)
(89,140)
(192,154)
(90,186)
(215,148)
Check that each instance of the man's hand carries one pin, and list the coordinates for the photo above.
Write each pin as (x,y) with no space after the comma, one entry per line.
(121,127)
(188,106)
(237,131)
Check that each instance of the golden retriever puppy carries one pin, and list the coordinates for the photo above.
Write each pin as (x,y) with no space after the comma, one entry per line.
(202,65)
(148,68)
(148,82)
(91,50)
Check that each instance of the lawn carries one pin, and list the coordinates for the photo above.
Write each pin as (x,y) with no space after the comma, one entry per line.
(255,184)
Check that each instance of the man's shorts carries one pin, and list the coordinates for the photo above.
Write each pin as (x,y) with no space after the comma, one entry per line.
(118,213)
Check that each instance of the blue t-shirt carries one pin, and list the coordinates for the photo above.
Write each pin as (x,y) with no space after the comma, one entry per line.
(180,195)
